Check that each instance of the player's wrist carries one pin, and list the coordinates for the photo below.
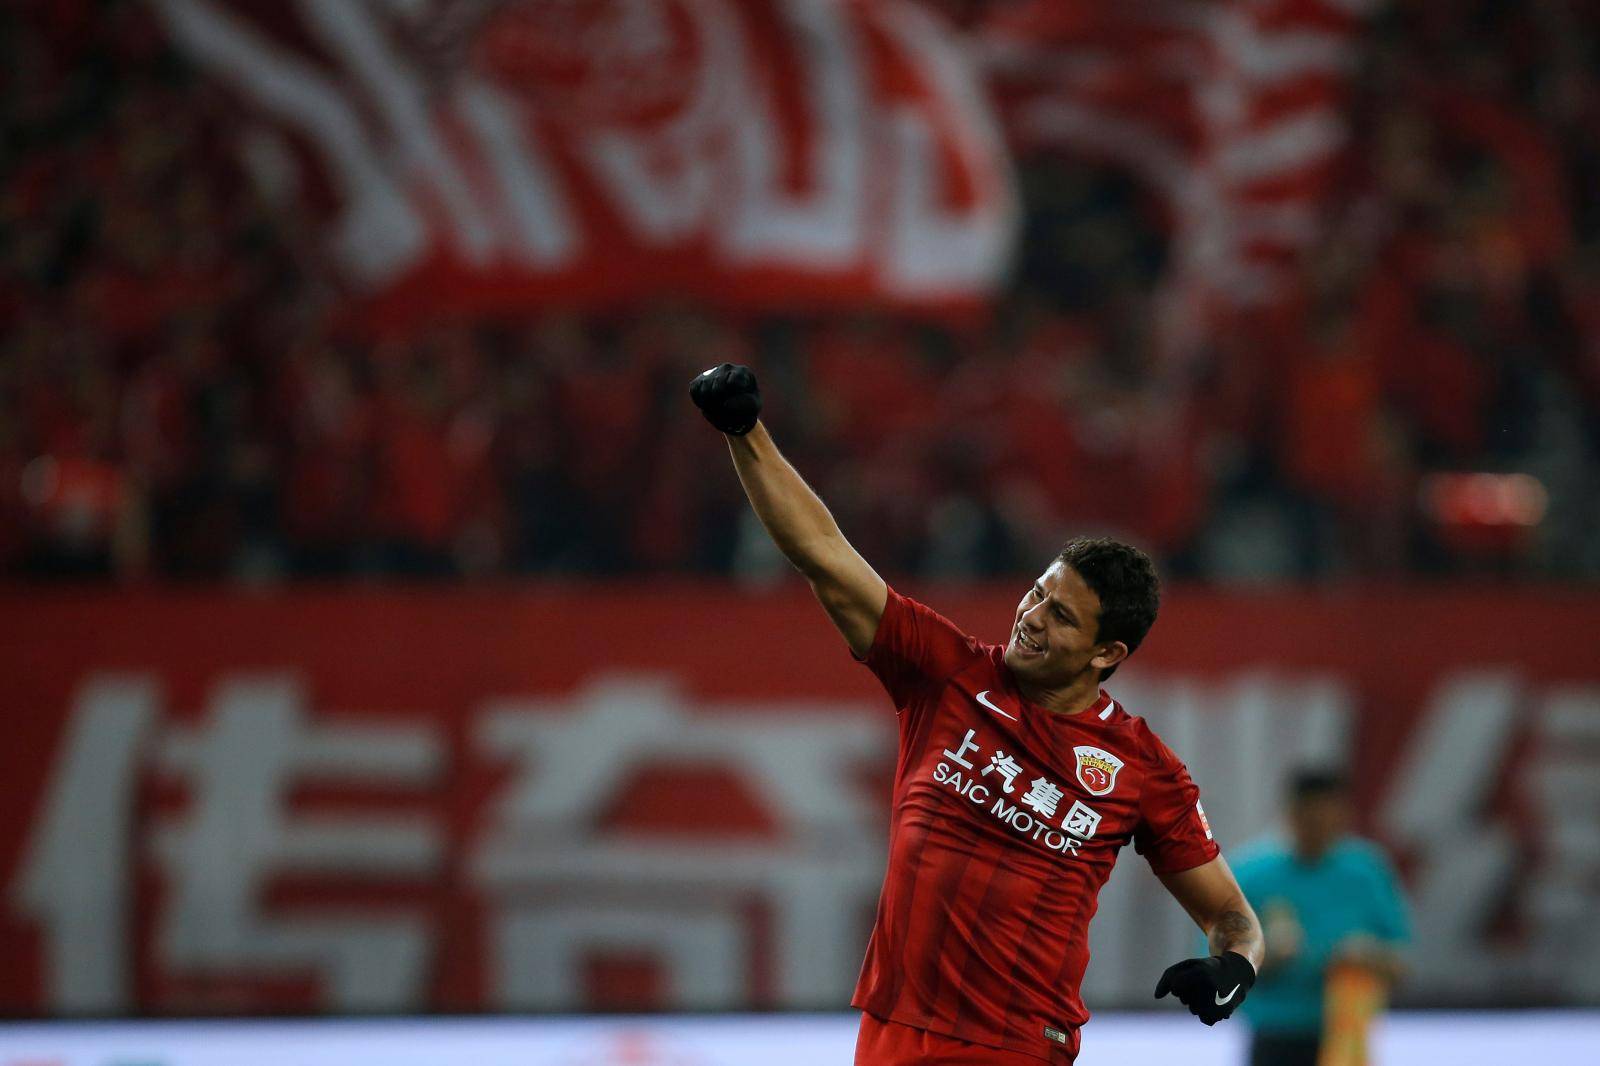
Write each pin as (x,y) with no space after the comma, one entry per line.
(1237,968)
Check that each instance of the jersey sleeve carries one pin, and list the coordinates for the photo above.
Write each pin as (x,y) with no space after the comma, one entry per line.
(915,649)
(1173,834)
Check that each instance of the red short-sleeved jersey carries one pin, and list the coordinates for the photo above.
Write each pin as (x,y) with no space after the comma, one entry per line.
(1007,820)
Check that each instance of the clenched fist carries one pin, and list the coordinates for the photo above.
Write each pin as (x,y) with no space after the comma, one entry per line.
(727,395)
(1211,988)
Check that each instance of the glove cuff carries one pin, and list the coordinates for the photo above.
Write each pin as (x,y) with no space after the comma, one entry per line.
(1236,969)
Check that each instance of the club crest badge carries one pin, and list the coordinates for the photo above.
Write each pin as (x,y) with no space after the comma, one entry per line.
(1097,769)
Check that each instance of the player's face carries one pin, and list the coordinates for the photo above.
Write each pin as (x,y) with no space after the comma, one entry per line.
(1053,636)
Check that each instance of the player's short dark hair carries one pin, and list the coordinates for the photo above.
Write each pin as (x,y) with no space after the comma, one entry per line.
(1316,782)
(1125,580)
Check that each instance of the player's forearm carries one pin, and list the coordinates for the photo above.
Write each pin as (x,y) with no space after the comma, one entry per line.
(1237,929)
(796,519)
(1212,988)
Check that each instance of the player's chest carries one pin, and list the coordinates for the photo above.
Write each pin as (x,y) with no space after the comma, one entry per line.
(980,757)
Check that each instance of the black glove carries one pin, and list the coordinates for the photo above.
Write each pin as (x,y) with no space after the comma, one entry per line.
(1211,988)
(728,397)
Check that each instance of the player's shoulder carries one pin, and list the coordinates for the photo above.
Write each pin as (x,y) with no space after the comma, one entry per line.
(916,628)
(899,602)
(1134,733)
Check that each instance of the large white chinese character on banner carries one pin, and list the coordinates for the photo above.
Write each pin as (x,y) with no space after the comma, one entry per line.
(681,901)
(419,159)
(74,877)
(238,832)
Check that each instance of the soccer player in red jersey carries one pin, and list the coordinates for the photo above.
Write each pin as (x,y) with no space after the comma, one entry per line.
(1019,779)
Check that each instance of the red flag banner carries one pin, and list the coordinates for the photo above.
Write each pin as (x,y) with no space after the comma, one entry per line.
(1230,112)
(467,156)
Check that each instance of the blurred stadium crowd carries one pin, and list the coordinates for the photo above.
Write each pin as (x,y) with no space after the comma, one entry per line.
(177,399)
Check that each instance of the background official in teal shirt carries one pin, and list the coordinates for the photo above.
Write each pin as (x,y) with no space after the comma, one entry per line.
(1323,896)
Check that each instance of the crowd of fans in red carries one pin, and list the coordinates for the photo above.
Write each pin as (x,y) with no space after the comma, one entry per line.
(174,402)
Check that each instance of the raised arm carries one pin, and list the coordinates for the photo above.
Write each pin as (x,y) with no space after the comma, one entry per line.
(794,517)
(1212,988)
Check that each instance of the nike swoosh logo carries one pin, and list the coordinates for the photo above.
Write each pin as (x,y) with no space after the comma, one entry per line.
(983,698)
(1221,999)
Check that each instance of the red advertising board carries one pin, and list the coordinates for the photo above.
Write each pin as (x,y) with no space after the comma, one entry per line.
(672,795)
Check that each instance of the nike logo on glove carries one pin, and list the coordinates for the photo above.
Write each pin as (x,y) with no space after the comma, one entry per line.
(983,698)
(1221,999)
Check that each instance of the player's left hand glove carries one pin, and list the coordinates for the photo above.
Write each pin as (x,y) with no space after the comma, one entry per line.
(1211,988)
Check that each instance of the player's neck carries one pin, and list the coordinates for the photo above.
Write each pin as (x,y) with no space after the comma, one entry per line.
(1075,697)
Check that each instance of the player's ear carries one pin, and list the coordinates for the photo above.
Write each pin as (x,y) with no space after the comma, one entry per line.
(1110,655)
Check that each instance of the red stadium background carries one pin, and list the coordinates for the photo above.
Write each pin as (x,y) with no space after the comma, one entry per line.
(673,795)
(384,632)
